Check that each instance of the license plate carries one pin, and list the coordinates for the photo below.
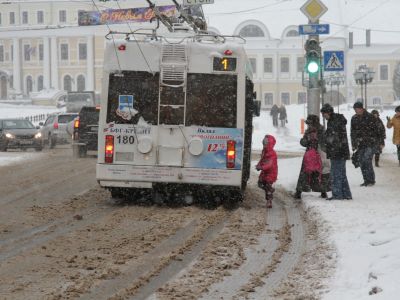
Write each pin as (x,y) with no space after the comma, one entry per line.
(26,142)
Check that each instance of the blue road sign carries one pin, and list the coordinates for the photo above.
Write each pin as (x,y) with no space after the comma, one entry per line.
(314,29)
(333,61)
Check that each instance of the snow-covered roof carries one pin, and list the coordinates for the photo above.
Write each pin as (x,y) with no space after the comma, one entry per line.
(381,16)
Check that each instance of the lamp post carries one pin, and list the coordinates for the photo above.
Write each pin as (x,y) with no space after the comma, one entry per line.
(364,75)
(335,79)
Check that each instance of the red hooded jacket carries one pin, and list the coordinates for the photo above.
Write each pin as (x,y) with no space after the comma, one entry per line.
(268,163)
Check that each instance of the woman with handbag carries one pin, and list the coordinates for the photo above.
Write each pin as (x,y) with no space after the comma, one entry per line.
(315,168)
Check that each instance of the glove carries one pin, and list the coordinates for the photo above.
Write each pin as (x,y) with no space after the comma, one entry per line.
(388,118)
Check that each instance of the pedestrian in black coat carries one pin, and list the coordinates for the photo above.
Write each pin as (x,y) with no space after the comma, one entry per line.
(274,113)
(337,150)
(283,115)
(381,136)
(365,139)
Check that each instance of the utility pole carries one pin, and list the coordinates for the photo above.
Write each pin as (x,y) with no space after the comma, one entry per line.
(313,10)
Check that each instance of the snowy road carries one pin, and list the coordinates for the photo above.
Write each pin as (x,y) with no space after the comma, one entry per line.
(61,236)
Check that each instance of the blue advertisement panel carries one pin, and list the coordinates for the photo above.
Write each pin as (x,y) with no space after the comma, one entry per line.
(118,16)
(215,146)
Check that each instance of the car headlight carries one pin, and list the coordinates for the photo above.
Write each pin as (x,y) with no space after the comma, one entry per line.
(38,135)
(9,136)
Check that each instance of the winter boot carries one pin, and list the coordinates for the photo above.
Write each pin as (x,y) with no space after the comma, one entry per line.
(269,203)
(297,195)
(324,195)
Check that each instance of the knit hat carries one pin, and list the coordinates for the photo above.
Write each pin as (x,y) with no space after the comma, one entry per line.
(375,112)
(327,108)
(397,109)
(358,104)
(312,120)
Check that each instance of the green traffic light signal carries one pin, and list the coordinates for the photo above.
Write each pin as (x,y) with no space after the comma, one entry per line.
(312,67)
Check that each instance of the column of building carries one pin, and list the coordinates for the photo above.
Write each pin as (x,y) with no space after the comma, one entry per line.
(46,63)
(54,63)
(16,66)
(90,64)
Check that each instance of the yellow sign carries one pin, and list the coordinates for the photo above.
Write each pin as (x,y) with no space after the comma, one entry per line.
(314,9)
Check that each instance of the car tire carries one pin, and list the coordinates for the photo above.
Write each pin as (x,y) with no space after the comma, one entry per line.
(82,151)
(3,149)
(38,149)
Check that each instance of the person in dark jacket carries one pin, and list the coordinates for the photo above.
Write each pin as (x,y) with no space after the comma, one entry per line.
(381,136)
(314,138)
(274,113)
(268,165)
(337,150)
(364,134)
(283,115)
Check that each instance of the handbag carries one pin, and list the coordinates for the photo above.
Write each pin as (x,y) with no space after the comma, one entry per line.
(355,159)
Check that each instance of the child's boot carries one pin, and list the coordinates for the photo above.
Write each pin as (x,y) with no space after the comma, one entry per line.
(269,203)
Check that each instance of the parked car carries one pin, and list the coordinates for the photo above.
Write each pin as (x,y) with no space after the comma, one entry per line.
(19,134)
(76,100)
(85,131)
(54,130)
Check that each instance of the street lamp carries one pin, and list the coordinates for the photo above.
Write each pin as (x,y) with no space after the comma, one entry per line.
(335,79)
(364,75)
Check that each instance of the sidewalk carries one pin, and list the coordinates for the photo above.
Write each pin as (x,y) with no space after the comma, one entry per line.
(365,230)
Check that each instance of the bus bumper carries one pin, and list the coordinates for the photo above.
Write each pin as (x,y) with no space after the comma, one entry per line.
(145,176)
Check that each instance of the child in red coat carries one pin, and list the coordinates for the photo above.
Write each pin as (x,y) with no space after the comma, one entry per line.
(268,165)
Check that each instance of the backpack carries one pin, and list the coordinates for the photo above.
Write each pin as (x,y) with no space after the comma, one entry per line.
(312,161)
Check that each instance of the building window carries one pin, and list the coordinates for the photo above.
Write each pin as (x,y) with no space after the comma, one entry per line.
(251,31)
(24,17)
(29,84)
(284,64)
(12,18)
(285,98)
(383,72)
(82,51)
(268,65)
(301,97)
(27,52)
(300,64)
(41,53)
(40,17)
(0,18)
(40,83)
(1,53)
(64,51)
(253,63)
(68,83)
(81,84)
(268,99)
(292,33)
(376,101)
(12,52)
(62,16)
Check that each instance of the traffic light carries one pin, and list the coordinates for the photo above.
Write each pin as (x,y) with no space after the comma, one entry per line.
(313,55)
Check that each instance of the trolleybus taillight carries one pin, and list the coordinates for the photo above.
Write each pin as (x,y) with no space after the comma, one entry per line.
(76,123)
(109,153)
(230,154)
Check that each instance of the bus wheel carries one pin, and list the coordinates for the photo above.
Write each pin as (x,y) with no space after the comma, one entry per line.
(232,199)
(116,193)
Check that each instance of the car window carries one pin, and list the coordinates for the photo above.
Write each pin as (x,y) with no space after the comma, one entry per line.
(66,118)
(49,120)
(17,124)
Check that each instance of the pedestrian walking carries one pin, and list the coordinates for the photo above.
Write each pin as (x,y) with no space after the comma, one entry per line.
(381,136)
(313,177)
(364,134)
(268,165)
(337,150)
(283,115)
(394,123)
(274,113)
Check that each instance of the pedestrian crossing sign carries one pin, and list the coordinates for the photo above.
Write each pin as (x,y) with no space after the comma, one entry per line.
(333,61)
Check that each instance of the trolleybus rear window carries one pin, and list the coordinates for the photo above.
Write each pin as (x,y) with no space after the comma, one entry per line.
(211,100)
(141,89)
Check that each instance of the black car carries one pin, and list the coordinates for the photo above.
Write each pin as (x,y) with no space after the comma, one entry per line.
(19,134)
(85,132)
